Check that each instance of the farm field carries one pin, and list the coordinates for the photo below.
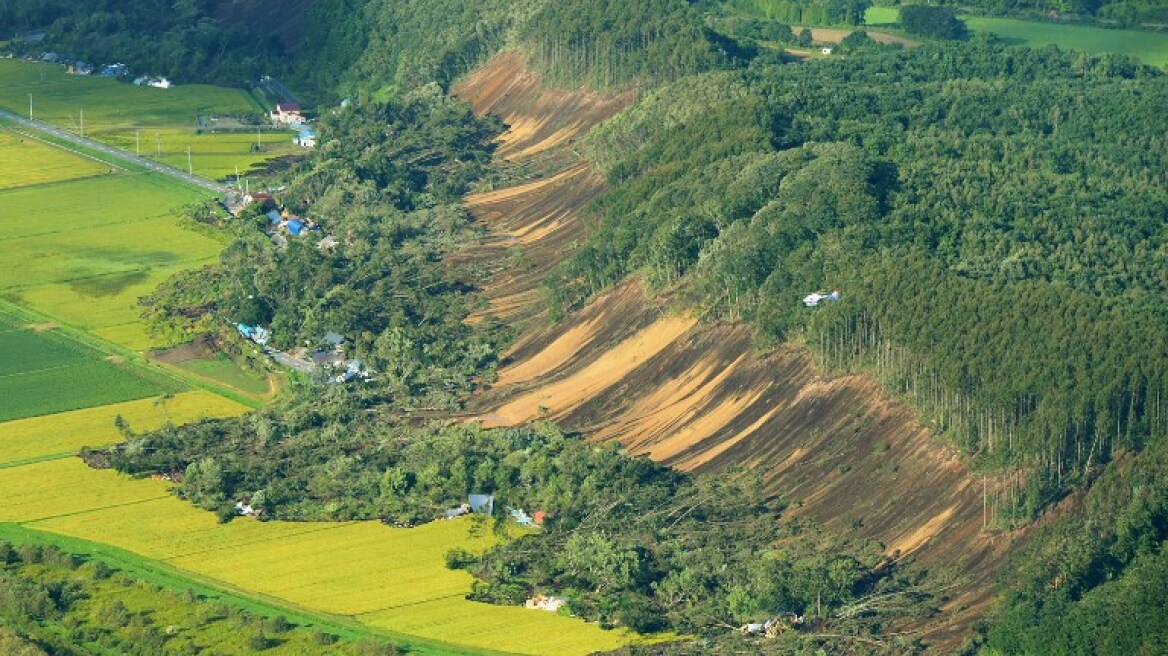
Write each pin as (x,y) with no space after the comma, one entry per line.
(881,15)
(84,251)
(387,578)
(1148,47)
(159,123)
(214,155)
(43,372)
(29,162)
(63,434)
(223,370)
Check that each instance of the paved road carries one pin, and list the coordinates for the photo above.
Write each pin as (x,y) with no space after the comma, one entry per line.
(303,366)
(113,152)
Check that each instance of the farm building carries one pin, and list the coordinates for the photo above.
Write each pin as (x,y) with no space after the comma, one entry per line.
(305,137)
(287,113)
(482,503)
(81,68)
(115,70)
(152,81)
(254,333)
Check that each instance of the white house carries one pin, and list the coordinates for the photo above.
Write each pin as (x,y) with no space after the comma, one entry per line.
(287,113)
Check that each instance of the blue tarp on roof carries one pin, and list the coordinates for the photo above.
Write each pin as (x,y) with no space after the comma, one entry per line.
(295,227)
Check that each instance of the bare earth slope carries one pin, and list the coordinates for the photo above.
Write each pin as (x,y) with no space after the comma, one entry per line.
(699,397)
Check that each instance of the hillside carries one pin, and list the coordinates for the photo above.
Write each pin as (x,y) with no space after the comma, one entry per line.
(571,243)
(701,398)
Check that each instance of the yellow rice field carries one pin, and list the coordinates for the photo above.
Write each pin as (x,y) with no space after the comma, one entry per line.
(63,487)
(26,162)
(386,577)
(67,432)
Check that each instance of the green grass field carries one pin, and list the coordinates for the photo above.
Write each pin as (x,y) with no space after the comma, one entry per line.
(222,369)
(156,123)
(43,372)
(881,15)
(213,154)
(88,249)
(1148,47)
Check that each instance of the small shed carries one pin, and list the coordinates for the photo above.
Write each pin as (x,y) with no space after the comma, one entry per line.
(333,339)
(825,50)
(295,227)
(482,503)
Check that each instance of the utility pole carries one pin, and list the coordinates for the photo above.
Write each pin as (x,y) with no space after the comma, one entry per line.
(158,142)
(82,122)
(259,143)
(138,142)
(190,169)
(236,176)
(30,106)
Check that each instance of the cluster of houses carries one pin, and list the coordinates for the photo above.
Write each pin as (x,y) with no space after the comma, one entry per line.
(116,70)
(281,223)
(484,504)
(291,115)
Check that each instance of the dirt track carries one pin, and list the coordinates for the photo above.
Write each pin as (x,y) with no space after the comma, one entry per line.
(699,397)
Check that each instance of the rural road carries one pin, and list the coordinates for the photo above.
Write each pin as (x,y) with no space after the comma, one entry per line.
(113,152)
(283,358)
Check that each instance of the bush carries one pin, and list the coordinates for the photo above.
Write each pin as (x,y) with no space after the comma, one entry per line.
(460,559)
(932,22)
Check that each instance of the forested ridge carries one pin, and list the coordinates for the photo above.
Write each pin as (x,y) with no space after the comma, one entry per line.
(994,218)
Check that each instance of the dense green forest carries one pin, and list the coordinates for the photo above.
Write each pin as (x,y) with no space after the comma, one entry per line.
(804,12)
(976,194)
(182,39)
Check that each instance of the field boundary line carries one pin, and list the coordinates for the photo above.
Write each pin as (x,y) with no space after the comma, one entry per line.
(91,510)
(260,541)
(11,464)
(121,156)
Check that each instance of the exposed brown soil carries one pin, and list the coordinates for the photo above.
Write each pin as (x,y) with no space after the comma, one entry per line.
(538,119)
(835,35)
(701,398)
(533,226)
